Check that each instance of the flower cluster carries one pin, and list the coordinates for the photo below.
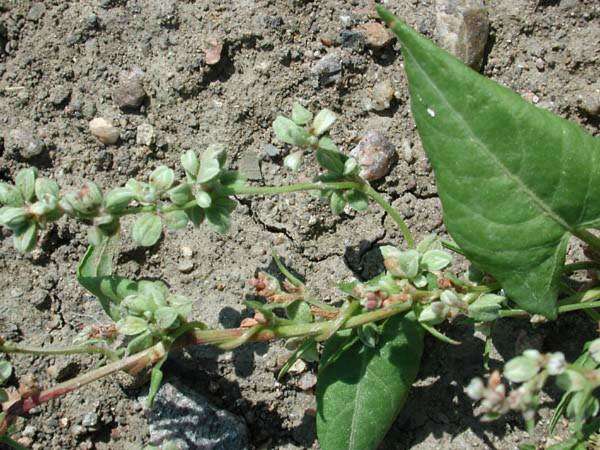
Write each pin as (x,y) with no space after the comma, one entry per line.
(151,314)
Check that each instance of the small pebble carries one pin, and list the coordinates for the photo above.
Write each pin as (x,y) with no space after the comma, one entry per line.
(375,154)
(383,93)
(185,265)
(187,252)
(129,92)
(271,150)
(590,100)
(90,420)
(352,39)
(104,130)
(145,135)
(307,381)
(377,35)
(328,69)
(212,53)
(36,12)
(299,366)
(23,142)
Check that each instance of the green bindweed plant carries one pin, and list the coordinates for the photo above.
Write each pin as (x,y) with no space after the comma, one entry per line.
(540,178)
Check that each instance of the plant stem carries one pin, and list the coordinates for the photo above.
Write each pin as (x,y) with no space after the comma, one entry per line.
(146,358)
(561,309)
(395,215)
(11,347)
(298,187)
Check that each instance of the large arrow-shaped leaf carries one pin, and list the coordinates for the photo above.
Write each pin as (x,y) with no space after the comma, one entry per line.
(361,389)
(514,180)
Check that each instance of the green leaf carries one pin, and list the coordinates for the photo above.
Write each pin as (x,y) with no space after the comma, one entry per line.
(176,220)
(140,342)
(300,115)
(209,169)
(357,200)
(307,347)
(514,180)
(361,390)
(486,308)
(203,199)
(180,194)
(118,199)
(25,182)
(191,164)
(24,240)
(5,371)
(435,260)
(218,215)
(337,202)
(331,160)
(147,229)
(162,178)
(324,120)
(521,369)
(10,195)
(166,317)
(156,377)
(13,217)
(182,304)
(94,273)
(44,186)
(299,311)
(196,215)
(290,133)
(132,325)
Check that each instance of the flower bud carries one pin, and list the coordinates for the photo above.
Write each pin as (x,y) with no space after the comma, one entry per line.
(191,164)
(323,121)
(118,199)
(475,389)
(521,369)
(434,313)
(451,299)
(162,178)
(180,194)
(556,363)
(13,217)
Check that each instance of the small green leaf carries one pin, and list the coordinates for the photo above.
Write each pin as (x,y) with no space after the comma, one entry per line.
(182,304)
(140,342)
(196,215)
(191,164)
(166,317)
(13,217)
(571,381)
(434,313)
(162,178)
(486,308)
(25,182)
(357,200)
(25,239)
(303,349)
(337,203)
(132,325)
(175,220)
(323,121)
(435,260)
(208,170)
(10,195)
(156,377)
(3,397)
(118,199)
(300,115)
(203,199)
(351,167)
(290,133)
(156,290)
(299,311)
(369,334)
(215,151)
(147,229)
(331,160)
(521,369)
(5,371)
(138,304)
(180,194)
(218,215)
(360,390)
(44,186)
(401,263)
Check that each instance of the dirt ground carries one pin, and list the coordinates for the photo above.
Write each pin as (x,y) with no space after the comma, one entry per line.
(59,64)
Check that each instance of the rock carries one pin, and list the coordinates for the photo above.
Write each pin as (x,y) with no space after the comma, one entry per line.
(589,100)
(212,53)
(145,135)
(186,265)
(129,92)
(307,381)
(36,12)
(24,142)
(353,40)
(59,95)
(328,69)
(190,422)
(299,366)
(383,93)
(375,154)
(377,35)
(462,28)
(104,130)
(90,420)
(165,12)
(271,151)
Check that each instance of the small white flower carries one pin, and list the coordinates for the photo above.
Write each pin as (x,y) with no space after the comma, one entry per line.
(475,389)
(556,363)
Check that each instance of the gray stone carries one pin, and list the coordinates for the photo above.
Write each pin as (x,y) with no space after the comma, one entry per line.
(36,12)
(186,265)
(165,12)
(328,69)
(129,92)
(353,40)
(145,135)
(375,154)
(462,28)
(186,419)
(589,100)
(271,150)
(59,95)
(383,94)
(24,142)
(90,420)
